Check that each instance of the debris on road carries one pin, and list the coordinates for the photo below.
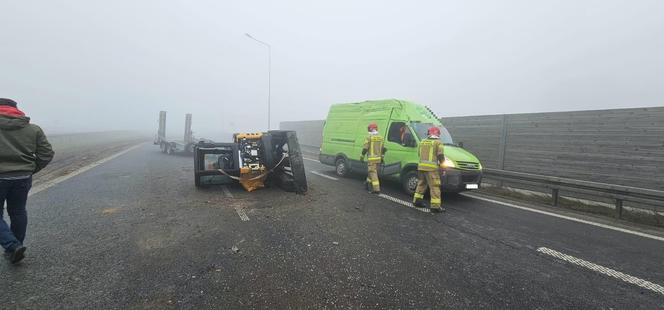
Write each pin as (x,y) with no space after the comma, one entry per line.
(110,210)
(235,249)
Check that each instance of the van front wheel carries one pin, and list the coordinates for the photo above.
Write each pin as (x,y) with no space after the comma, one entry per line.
(341,167)
(409,182)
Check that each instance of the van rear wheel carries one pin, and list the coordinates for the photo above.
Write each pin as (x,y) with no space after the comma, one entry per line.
(341,167)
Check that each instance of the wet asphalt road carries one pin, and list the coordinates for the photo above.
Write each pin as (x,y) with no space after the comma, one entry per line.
(134,233)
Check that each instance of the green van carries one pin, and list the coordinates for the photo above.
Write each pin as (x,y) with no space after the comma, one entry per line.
(403,124)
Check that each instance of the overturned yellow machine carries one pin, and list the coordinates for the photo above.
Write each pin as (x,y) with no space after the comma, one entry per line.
(253,171)
(255,160)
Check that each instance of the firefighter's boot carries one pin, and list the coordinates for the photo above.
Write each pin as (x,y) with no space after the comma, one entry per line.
(418,200)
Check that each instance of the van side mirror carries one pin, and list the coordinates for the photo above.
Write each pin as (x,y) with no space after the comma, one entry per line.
(460,144)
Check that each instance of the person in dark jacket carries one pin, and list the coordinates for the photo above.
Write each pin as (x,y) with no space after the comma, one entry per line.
(24,150)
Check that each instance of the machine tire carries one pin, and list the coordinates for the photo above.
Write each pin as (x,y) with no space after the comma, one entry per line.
(267,150)
(341,167)
(197,177)
(296,163)
(409,182)
(197,180)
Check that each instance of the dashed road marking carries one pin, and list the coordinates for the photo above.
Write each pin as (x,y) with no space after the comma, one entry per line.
(384,196)
(240,212)
(243,216)
(310,159)
(567,217)
(227,192)
(51,183)
(404,203)
(324,175)
(603,270)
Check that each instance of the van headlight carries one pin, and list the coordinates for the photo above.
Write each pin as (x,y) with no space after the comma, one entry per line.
(479,165)
(448,163)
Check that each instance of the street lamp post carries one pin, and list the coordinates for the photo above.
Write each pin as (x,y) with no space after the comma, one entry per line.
(269,75)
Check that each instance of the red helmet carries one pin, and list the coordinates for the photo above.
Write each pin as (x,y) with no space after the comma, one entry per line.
(433,131)
(372,126)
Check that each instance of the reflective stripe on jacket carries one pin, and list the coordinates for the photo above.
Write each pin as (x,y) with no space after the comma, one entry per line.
(429,151)
(374,146)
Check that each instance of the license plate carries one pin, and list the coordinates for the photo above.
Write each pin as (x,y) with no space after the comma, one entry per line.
(472,186)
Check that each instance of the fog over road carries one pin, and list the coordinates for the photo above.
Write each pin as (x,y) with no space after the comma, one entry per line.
(134,232)
(82,65)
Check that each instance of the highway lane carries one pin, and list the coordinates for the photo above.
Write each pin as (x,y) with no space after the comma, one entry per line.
(522,230)
(135,233)
(491,220)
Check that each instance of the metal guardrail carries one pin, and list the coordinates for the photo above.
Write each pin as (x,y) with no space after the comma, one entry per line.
(618,193)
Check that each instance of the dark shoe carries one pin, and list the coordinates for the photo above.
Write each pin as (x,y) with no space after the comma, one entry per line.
(17,255)
(419,203)
(375,192)
(436,210)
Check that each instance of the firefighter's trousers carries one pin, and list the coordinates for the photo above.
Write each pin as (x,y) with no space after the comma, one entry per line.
(372,176)
(432,180)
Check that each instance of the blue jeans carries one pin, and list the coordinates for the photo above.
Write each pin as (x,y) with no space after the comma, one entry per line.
(15,193)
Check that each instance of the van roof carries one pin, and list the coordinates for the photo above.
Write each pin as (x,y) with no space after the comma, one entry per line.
(385,103)
(409,110)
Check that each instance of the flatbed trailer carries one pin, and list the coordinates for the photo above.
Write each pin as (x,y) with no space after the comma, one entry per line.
(185,146)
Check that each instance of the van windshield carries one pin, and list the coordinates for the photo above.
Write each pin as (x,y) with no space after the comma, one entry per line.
(422,128)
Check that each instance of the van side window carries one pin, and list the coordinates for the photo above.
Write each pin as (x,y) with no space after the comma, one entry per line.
(398,133)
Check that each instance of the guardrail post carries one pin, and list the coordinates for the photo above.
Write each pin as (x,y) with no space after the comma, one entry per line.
(619,208)
(555,196)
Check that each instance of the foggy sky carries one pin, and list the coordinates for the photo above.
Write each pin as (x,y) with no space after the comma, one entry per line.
(98,65)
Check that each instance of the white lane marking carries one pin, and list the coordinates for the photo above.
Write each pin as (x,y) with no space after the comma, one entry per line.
(48,184)
(404,203)
(240,212)
(316,160)
(390,198)
(243,216)
(603,270)
(627,231)
(227,192)
(324,175)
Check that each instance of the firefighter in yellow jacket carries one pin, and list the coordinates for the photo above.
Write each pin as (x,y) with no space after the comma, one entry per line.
(428,170)
(374,149)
